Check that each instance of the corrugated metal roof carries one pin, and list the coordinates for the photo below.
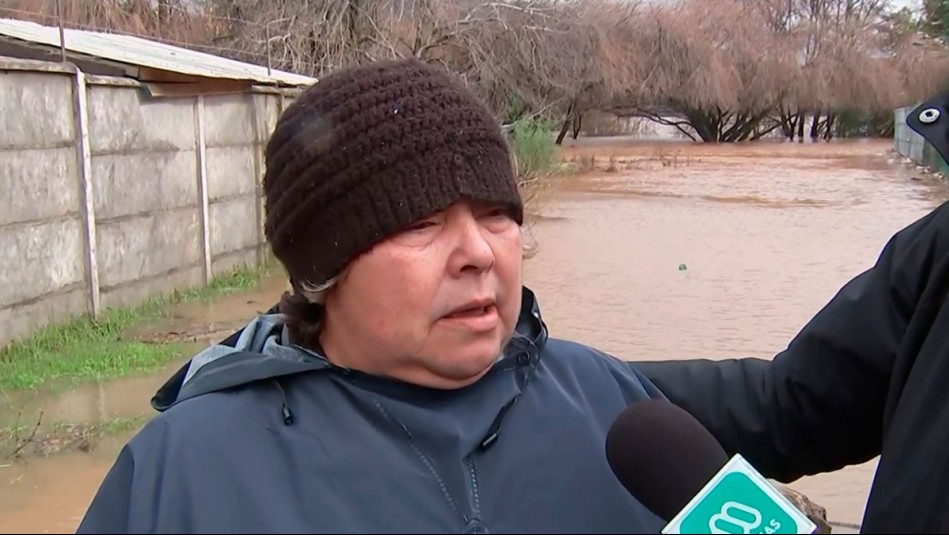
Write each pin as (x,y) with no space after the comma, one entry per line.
(140,52)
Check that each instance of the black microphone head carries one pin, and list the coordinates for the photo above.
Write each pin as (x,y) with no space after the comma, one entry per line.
(662,455)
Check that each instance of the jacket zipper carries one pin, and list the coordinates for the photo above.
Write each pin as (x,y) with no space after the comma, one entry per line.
(474,524)
(422,457)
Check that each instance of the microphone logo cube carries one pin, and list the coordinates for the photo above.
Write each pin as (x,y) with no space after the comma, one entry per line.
(739,500)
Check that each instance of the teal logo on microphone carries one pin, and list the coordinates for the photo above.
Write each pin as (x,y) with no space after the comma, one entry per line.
(739,500)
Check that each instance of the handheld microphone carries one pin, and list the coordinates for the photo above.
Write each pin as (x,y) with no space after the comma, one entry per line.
(678,470)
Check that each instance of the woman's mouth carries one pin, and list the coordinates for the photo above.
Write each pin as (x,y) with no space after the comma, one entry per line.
(477,317)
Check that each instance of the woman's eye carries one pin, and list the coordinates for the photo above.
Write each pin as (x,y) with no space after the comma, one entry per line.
(497,212)
(421,225)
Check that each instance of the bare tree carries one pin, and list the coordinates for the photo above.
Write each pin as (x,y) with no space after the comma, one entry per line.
(716,70)
(552,60)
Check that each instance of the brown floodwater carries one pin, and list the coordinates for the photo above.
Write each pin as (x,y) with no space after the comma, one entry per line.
(661,250)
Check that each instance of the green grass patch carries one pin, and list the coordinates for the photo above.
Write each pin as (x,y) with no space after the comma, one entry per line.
(239,280)
(88,349)
(535,151)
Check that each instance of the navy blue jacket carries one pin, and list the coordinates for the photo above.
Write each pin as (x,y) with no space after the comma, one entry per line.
(263,436)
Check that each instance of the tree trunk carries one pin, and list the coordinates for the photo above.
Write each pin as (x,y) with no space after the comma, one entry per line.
(566,124)
(829,126)
(563,130)
(703,123)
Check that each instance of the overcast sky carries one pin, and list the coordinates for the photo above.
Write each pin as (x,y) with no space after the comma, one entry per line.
(915,4)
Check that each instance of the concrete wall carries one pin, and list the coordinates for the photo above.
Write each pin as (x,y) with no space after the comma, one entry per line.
(906,142)
(144,177)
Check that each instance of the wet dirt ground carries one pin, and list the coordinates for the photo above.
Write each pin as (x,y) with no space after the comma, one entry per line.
(660,250)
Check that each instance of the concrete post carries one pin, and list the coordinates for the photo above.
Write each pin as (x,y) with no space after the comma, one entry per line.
(84,154)
(202,176)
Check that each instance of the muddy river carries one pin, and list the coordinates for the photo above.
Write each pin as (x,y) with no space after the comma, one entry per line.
(661,250)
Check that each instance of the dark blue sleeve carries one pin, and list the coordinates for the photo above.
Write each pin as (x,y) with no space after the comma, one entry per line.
(137,486)
(109,510)
(635,385)
(652,391)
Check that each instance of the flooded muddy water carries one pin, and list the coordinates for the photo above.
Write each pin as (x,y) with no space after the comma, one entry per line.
(665,250)
(765,235)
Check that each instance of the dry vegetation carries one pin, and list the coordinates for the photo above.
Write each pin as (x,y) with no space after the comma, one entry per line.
(720,70)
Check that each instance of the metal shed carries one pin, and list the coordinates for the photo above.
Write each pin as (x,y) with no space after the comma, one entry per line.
(163,69)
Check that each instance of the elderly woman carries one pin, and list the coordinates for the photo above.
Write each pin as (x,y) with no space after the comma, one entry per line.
(409,383)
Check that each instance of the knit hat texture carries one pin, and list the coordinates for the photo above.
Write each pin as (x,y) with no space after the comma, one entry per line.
(369,150)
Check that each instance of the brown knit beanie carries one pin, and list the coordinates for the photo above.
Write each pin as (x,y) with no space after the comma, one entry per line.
(368,150)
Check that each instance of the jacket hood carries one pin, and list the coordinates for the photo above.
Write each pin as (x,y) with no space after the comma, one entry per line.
(262,350)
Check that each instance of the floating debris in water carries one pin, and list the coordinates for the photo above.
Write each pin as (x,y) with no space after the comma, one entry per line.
(683,267)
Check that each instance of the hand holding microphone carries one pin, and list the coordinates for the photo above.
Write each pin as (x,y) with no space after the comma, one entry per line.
(676,468)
